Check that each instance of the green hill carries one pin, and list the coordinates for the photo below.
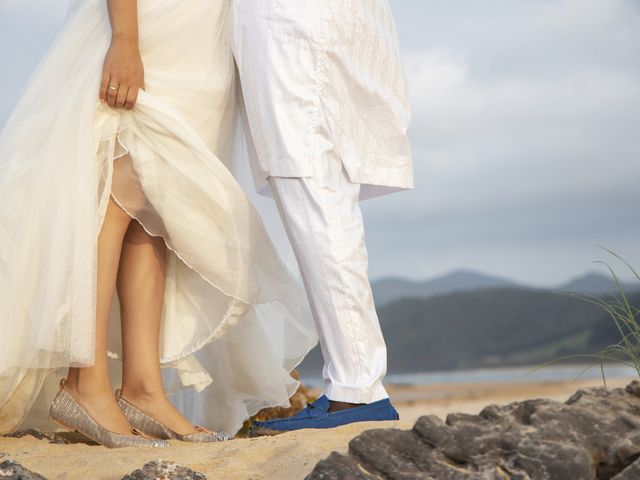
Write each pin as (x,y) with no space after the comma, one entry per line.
(502,326)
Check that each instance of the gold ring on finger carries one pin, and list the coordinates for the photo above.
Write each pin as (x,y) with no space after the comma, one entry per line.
(111,87)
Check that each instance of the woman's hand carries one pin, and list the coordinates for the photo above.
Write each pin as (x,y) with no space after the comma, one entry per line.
(123,73)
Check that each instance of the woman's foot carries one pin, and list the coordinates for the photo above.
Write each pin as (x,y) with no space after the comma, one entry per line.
(154,427)
(101,404)
(159,407)
(66,411)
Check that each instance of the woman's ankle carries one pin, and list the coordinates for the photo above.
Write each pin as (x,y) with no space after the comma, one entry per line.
(143,391)
(87,385)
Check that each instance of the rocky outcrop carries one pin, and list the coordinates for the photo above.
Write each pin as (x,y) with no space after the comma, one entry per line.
(632,472)
(159,469)
(13,470)
(297,402)
(594,435)
(51,437)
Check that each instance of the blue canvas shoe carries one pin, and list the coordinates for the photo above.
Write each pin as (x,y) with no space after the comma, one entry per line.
(315,415)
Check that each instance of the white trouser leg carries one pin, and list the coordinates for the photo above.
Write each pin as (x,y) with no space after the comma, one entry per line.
(324,223)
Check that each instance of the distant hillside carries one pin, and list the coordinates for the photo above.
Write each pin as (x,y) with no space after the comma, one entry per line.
(389,289)
(504,326)
(597,284)
(386,290)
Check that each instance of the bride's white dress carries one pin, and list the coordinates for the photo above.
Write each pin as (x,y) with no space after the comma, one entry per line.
(235,320)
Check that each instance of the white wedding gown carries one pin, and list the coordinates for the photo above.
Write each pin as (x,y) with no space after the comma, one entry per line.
(235,320)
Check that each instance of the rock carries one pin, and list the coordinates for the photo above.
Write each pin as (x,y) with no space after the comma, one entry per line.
(162,470)
(14,471)
(298,401)
(51,437)
(632,472)
(634,389)
(594,435)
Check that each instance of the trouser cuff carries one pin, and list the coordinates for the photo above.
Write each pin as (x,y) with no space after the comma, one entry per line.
(370,394)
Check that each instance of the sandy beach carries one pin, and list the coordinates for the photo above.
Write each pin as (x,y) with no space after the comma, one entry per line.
(288,456)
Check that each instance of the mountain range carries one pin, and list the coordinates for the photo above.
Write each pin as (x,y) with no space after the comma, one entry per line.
(388,289)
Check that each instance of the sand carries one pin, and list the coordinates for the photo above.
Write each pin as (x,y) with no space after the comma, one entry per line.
(288,456)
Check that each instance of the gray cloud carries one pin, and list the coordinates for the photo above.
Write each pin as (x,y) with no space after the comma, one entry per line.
(524,134)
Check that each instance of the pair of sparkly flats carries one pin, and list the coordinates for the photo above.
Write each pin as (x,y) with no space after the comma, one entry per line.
(146,430)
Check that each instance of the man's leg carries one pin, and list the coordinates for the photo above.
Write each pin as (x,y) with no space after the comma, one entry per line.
(324,223)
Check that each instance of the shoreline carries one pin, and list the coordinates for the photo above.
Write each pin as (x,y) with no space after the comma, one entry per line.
(525,373)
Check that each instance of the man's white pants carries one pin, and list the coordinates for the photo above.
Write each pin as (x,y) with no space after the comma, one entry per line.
(323,220)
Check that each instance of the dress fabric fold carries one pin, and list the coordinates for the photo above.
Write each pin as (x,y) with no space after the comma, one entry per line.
(235,320)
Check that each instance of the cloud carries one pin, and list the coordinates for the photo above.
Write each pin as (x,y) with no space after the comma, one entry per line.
(525,137)
(543,131)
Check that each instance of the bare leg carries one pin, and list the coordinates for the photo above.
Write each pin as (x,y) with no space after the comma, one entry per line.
(141,284)
(90,385)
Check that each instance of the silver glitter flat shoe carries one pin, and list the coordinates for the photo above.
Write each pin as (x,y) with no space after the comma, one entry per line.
(68,413)
(155,428)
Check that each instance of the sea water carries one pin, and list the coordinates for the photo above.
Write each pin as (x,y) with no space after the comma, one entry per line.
(505,374)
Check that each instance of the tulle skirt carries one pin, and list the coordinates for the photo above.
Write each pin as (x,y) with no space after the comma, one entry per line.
(235,321)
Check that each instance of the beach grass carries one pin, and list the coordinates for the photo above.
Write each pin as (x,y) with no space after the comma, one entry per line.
(626,318)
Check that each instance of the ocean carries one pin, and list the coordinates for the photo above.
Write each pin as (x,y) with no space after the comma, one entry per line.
(504,374)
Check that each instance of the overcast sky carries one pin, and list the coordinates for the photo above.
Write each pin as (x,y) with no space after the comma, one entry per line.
(526,133)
